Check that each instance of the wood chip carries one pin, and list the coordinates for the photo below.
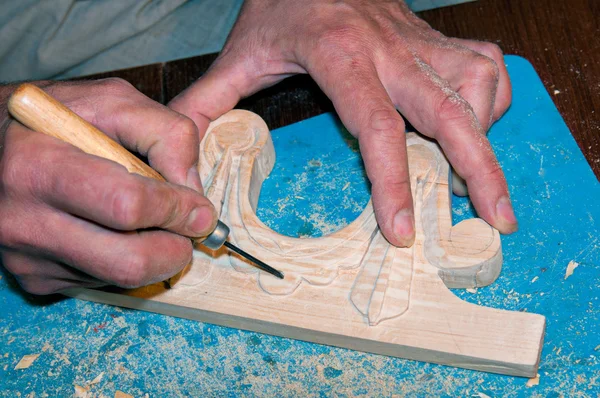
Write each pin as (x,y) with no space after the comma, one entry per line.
(534,279)
(26,361)
(346,186)
(571,268)
(472,290)
(81,392)
(97,379)
(533,382)
(121,394)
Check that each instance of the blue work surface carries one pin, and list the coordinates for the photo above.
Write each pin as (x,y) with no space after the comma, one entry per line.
(318,186)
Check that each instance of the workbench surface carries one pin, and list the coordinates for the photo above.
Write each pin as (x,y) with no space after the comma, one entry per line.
(318,186)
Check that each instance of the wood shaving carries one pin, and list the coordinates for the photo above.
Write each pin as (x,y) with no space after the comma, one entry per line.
(571,268)
(472,290)
(121,394)
(26,361)
(534,279)
(81,392)
(534,381)
(97,379)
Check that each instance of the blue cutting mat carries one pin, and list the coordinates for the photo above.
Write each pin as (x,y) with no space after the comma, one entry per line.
(318,186)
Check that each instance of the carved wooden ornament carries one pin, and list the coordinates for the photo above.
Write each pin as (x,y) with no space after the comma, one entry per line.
(352,288)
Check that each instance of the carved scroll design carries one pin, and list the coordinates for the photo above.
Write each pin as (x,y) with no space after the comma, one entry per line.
(351,289)
(237,155)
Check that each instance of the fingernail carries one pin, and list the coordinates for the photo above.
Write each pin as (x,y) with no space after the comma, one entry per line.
(193,179)
(404,227)
(201,220)
(506,215)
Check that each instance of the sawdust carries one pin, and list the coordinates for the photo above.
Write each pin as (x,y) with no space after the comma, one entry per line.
(571,268)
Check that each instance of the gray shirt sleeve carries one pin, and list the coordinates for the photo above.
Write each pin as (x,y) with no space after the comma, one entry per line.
(65,38)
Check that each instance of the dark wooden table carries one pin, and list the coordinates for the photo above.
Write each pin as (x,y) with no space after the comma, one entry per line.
(561,38)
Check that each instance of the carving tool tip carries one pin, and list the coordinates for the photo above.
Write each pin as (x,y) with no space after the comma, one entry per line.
(257,262)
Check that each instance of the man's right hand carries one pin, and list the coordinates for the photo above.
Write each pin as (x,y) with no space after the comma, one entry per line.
(69,219)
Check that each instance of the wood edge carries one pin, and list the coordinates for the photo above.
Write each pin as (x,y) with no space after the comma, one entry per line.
(308,335)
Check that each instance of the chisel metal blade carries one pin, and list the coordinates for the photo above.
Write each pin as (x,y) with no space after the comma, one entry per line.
(257,262)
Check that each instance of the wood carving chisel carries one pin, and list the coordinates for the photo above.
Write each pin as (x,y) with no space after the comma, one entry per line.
(40,112)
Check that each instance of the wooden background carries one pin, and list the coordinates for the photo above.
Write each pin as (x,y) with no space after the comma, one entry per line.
(561,38)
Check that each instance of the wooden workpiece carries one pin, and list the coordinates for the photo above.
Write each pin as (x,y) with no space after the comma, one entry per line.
(352,288)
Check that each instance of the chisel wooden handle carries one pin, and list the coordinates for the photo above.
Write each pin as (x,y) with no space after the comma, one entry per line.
(40,112)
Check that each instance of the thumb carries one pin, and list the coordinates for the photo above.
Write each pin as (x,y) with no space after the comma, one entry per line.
(214,93)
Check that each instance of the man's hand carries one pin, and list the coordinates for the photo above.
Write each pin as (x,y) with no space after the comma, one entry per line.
(69,218)
(371,58)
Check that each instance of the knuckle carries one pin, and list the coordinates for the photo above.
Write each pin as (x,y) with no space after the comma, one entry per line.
(503,103)
(185,129)
(11,174)
(396,184)
(7,234)
(347,38)
(492,51)
(19,266)
(12,165)
(387,123)
(493,171)
(450,106)
(127,206)
(135,271)
(115,85)
(484,68)
(23,168)
(36,286)
(486,170)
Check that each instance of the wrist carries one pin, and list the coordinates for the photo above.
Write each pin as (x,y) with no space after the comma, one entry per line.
(5,92)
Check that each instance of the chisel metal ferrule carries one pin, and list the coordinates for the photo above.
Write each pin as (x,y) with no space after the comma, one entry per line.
(217,237)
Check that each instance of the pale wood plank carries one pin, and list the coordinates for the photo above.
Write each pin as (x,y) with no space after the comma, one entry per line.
(351,288)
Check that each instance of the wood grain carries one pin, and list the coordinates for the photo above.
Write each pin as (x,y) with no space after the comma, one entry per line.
(351,288)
